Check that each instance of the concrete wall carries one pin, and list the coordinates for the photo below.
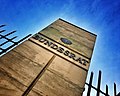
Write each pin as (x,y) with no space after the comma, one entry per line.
(36,68)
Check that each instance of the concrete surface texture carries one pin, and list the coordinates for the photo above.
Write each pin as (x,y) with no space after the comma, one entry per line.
(44,65)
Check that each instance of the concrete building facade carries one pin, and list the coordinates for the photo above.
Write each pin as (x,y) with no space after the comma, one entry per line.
(53,62)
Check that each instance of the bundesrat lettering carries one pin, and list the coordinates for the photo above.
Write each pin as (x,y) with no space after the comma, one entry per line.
(60,49)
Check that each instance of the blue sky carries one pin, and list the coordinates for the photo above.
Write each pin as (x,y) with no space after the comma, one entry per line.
(100,17)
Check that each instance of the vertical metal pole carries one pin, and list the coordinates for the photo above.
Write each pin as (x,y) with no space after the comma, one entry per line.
(7,35)
(2,26)
(99,82)
(10,33)
(2,31)
(114,89)
(90,84)
(106,90)
(24,38)
(8,41)
(15,43)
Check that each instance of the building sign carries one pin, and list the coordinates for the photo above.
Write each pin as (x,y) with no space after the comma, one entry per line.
(61,50)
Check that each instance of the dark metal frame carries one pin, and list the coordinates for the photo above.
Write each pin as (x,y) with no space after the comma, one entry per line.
(98,86)
(9,40)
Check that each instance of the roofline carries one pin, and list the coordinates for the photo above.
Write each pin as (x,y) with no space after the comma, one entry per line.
(77,27)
